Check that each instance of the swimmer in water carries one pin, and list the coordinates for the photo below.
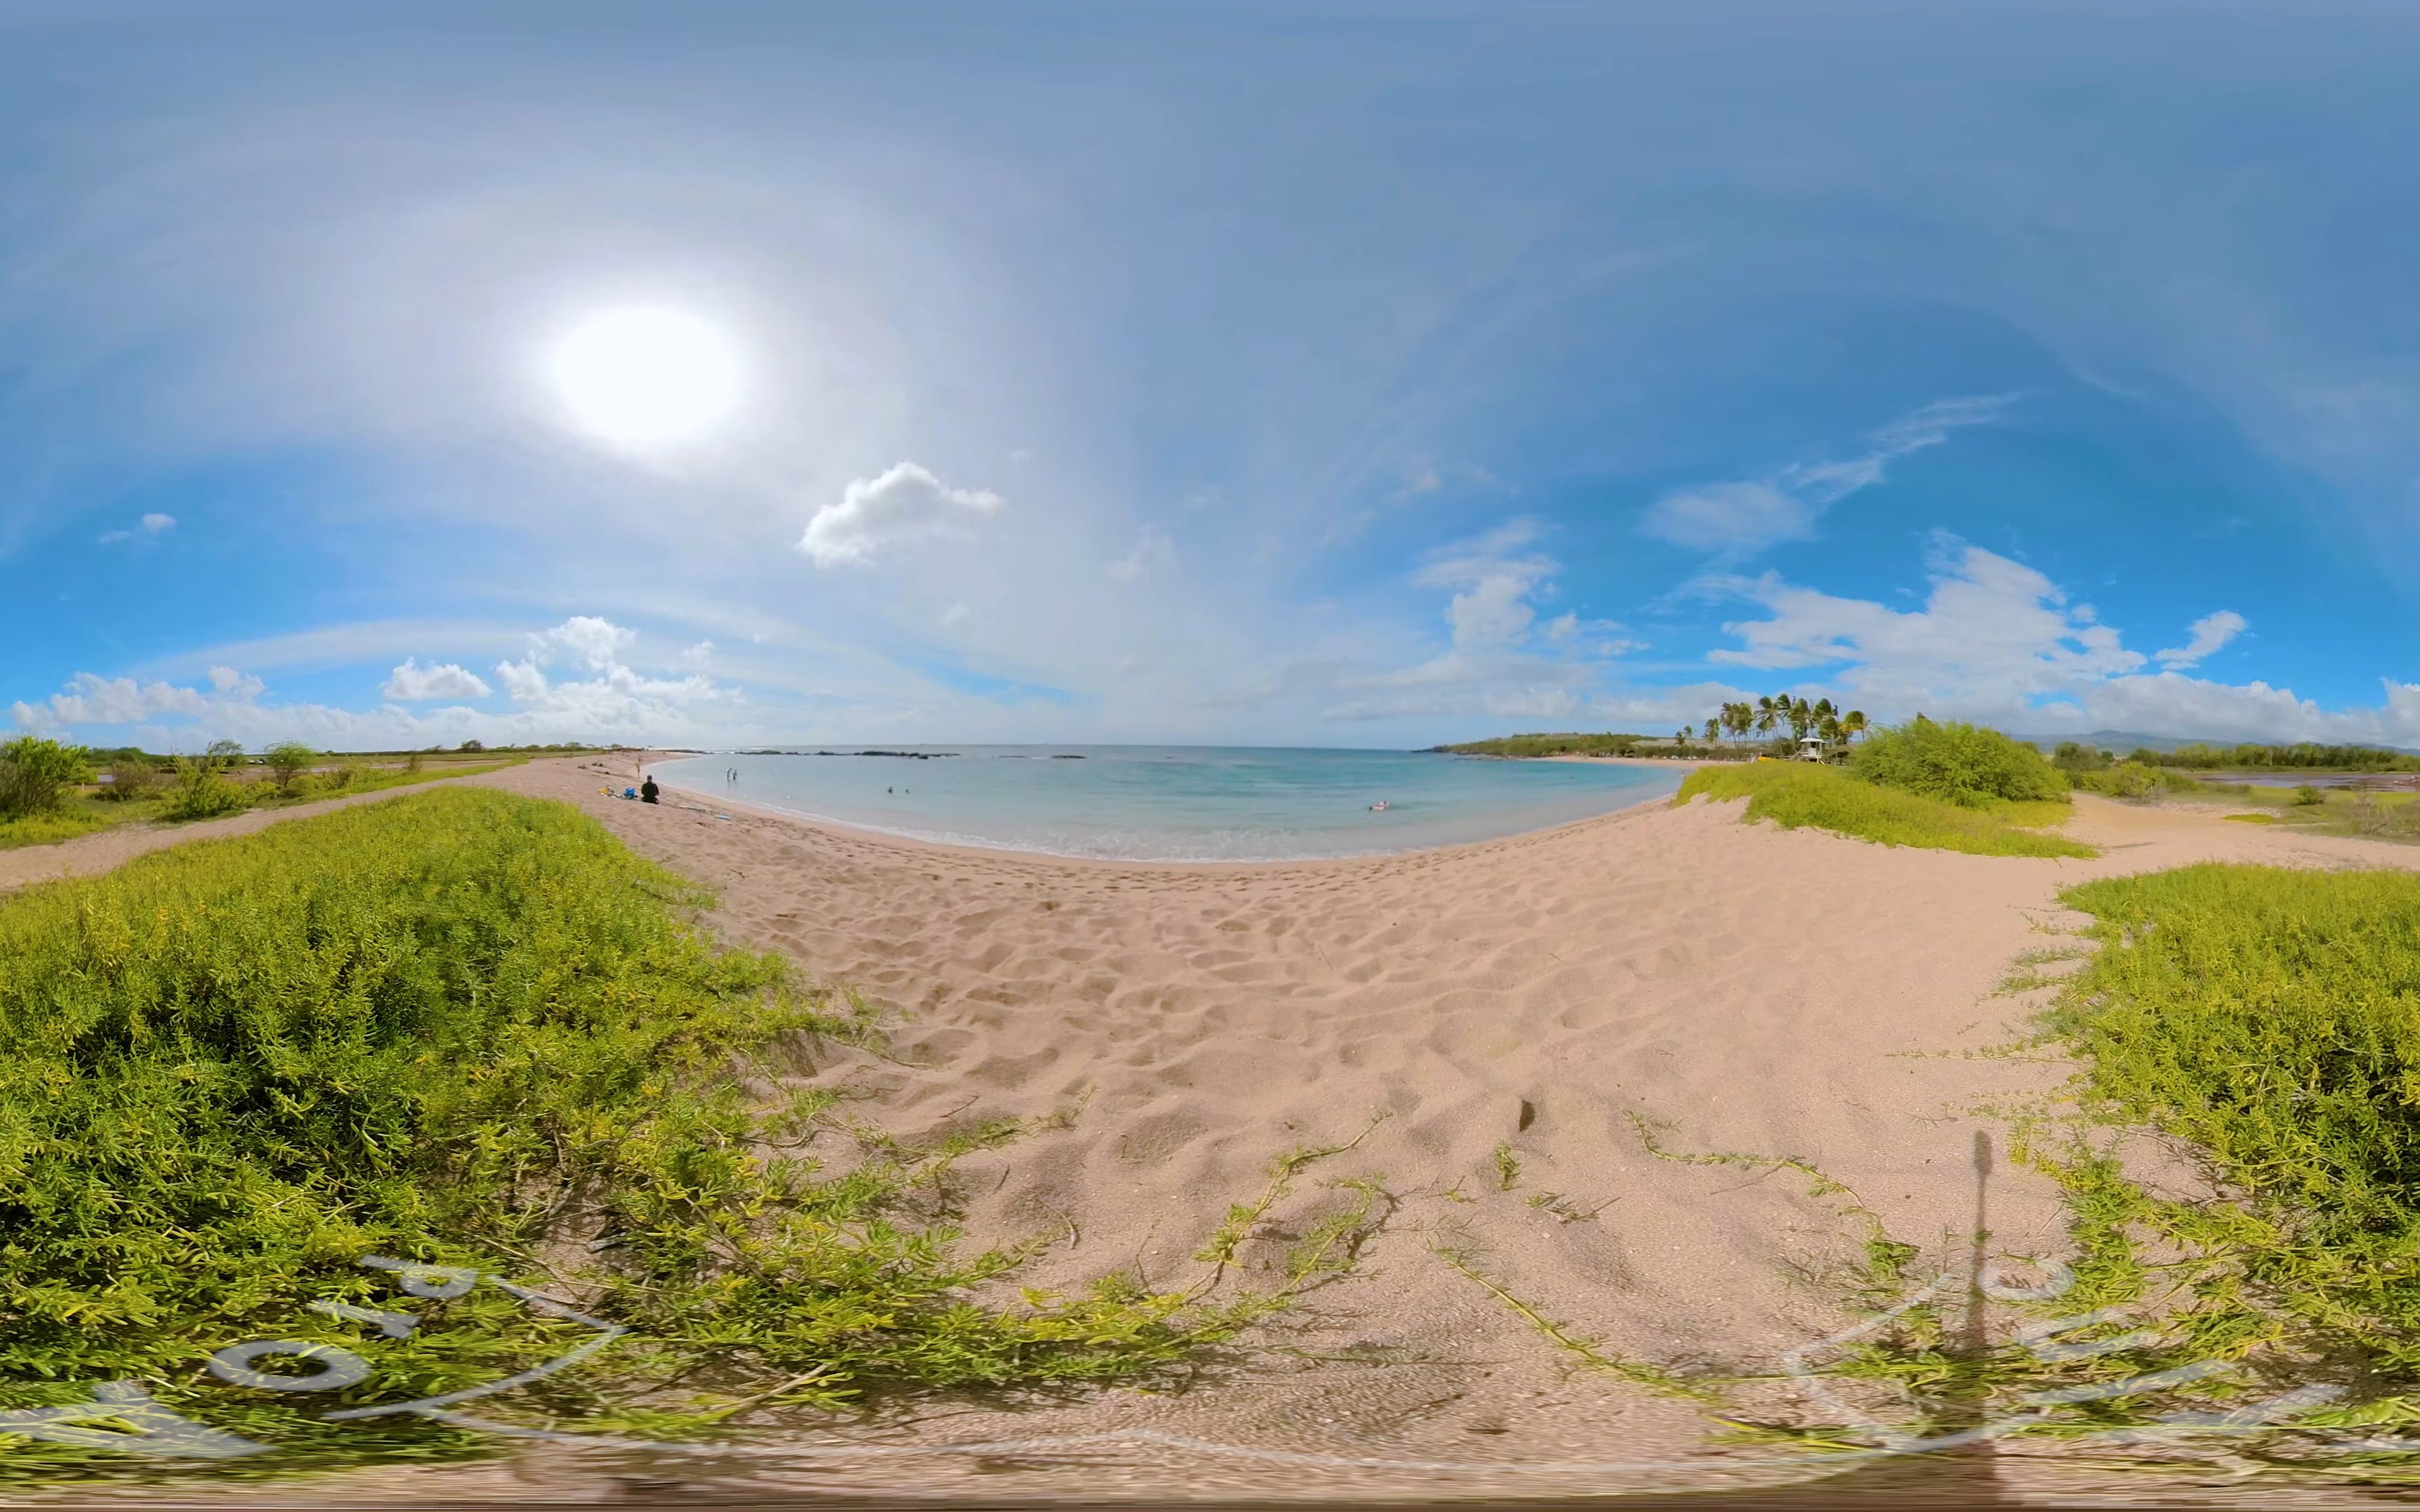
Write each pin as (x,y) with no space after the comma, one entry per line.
(1379,807)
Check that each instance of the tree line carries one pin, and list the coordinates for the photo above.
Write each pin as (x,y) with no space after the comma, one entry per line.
(2204,756)
(1737,722)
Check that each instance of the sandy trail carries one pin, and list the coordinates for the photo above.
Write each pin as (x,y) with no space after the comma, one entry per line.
(1749,990)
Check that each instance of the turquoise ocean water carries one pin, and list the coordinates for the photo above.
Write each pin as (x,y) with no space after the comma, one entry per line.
(1173,803)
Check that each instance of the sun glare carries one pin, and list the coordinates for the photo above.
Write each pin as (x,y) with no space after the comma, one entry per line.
(645,376)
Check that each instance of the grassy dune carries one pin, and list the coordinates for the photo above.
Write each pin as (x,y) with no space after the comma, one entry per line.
(462,1027)
(1797,795)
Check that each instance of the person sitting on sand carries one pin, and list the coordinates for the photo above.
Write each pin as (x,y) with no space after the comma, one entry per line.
(647,791)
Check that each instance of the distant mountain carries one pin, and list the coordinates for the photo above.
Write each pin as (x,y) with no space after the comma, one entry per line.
(2122,741)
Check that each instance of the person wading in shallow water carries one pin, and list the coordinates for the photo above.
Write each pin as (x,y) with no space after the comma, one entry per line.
(647,791)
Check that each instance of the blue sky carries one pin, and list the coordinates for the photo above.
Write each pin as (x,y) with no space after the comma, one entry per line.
(1346,374)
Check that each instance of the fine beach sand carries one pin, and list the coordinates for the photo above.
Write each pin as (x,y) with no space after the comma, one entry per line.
(1750,989)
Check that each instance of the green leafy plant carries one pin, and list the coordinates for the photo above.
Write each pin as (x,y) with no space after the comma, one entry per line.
(130,778)
(198,792)
(35,776)
(1961,763)
(287,762)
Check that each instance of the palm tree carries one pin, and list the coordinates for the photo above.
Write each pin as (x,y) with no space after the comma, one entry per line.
(1852,724)
(1711,725)
(1801,715)
(1767,716)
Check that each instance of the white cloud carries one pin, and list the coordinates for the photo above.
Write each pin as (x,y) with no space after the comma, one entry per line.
(1503,661)
(1491,610)
(1732,517)
(2207,636)
(150,525)
(700,655)
(907,504)
(90,700)
(523,683)
(607,701)
(594,642)
(1745,516)
(614,697)
(1998,642)
(412,683)
(1990,628)
(1151,547)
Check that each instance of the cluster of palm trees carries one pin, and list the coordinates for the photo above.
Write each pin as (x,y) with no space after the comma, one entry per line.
(1737,721)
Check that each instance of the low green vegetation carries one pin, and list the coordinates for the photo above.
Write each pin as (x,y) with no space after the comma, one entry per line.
(2270,1020)
(62,824)
(1961,763)
(1855,802)
(37,776)
(220,783)
(2357,813)
(468,1029)
(1562,745)
(2250,758)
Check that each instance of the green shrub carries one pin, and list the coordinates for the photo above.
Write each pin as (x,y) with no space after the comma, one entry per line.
(463,1027)
(199,792)
(2271,1018)
(2307,796)
(130,778)
(1960,763)
(2133,780)
(287,762)
(35,775)
(1801,794)
(2127,779)
(2072,758)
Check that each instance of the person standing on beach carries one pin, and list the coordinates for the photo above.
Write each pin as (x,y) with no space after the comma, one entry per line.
(647,791)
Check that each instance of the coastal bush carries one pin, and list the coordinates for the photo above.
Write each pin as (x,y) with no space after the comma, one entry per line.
(2126,779)
(470,1029)
(1797,795)
(2072,758)
(130,778)
(1960,764)
(35,776)
(2270,1018)
(198,792)
(287,762)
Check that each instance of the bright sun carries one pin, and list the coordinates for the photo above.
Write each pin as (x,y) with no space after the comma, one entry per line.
(644,377)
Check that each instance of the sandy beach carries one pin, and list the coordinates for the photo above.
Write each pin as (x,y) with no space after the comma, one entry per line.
(1492,1022)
